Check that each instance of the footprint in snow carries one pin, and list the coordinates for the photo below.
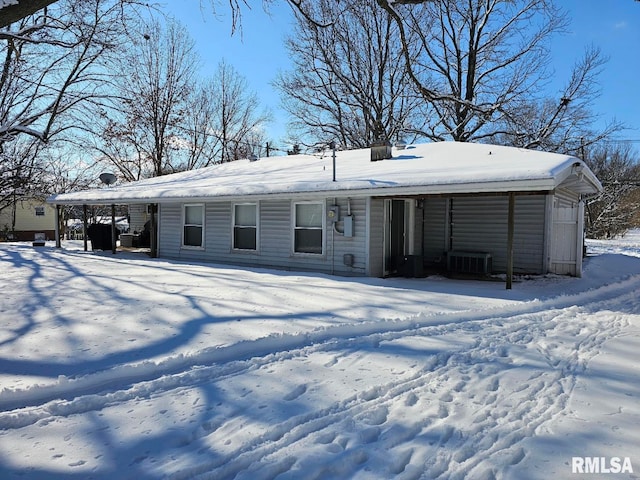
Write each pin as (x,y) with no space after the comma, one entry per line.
(326,438)
(334,448)
(517,456)
(411,400)
(331,362)
(446,397)
(377,416)
(463,454)
(400,462)
(458,387)
(370,435)
(493,386)
(447,433)
(295,393)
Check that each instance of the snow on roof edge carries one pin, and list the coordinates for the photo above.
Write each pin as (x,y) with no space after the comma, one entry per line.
(443,167)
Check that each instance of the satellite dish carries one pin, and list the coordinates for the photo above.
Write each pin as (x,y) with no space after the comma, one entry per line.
(108,178)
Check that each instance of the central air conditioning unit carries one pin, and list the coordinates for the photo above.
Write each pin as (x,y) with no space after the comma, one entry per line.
(479,263)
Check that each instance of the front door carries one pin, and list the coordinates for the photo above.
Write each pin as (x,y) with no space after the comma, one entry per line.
(398,233)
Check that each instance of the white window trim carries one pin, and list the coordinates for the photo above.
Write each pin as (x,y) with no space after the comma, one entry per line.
(233,226)
(184,224)
(324,228)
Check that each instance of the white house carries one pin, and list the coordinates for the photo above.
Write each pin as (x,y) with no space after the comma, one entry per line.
(451,206)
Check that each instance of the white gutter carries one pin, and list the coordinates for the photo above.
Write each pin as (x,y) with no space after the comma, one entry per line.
(537,185)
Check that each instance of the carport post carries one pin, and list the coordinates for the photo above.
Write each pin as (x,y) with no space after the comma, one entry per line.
(85,228)
(57,228)
(113,229)
(510,228)
(153,227)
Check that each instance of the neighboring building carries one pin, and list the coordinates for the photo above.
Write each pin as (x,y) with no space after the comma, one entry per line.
(432,206)
(27,217)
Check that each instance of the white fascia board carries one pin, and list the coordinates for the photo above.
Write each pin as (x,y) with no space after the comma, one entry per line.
(585,179)
(413,190)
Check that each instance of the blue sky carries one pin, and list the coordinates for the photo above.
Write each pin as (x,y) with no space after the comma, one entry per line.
(257,52)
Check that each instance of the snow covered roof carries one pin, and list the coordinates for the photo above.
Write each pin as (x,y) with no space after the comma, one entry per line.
(430,168)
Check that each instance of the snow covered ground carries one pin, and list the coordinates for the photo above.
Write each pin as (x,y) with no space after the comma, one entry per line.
(129,367)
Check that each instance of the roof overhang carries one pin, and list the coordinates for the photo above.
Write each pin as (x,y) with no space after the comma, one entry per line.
(579,178)
(396,191)
(447,168)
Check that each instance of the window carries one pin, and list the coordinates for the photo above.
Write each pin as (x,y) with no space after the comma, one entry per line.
(39,211)
(308,228)
(193,232)
(245,226)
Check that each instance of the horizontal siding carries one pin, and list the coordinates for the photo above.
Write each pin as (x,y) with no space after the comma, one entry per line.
(339,245)
(480,224)
(435,229)
(217,236)
(169,230)
(137,217)
(275,238)
(275,229)
(566,198)
(26,218)
(376,238)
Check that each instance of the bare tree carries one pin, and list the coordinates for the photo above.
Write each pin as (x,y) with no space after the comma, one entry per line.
(32,170)
(482,66)
(221,123)
(238,123)
(480,70)
(199,142)
(563,124)
(471,60)
(15,10)
(612,212)
(164,120)
(348,81)
(155,80)
(52,66)
(21,172)
(52,70)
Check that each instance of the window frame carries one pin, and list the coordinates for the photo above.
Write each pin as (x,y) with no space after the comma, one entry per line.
(256,227)
(295,228)
(40,211)
(185,224)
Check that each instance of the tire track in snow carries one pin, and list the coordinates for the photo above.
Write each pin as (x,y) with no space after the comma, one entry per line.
(497,429)
(91,392)
(506,418)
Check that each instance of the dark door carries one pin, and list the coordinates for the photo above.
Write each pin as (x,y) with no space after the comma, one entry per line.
(396,236)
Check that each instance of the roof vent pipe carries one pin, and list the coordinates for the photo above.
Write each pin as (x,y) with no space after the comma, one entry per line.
(332,146)
(380,150)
